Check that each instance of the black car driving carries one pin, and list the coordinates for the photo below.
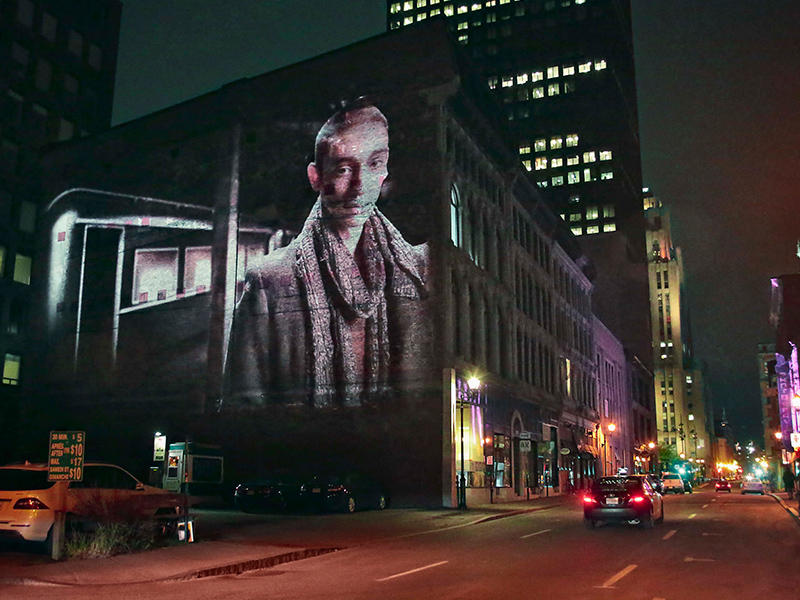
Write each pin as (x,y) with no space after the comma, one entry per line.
(629,499)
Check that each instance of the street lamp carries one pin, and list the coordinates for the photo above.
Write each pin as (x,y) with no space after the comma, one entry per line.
(474,385)
(778,435)
(611,428)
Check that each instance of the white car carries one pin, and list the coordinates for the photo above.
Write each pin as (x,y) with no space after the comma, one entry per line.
(28,501)
(752,486)
(673,483)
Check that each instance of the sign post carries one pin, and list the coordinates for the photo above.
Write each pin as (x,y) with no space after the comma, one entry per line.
(64,463)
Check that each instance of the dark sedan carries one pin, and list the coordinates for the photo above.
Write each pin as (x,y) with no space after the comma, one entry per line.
(723,485)
(275,493)
(623,499)
(346,492)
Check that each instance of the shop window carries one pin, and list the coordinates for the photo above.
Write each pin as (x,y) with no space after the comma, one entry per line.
(155,275)
(11,368)
(197,270)
(22,269)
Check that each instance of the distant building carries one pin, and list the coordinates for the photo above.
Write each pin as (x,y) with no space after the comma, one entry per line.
(770,411)
(147,257)
(564,74)
(681,415)
(57,74)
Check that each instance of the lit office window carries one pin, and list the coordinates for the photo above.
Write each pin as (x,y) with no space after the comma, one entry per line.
(537,92)
(593,229)
(422,3)
(556,162)
(395,8)
(522,78)
(448,10)
(421,17)
(537,76)
(11,369)
(605,175)
(558,180)
(436,11)
(574,177)
(588,175)
(395,24)
(540,145)
(155,275)
(507,82)
(589,157)
(462,9)
(408,5)
(556,143)
(573,160)
(569,87)
(605,155)
(575,199)
(608,211)
(591,213)
(567,71)
(463,25)
(553,89)
(599,65)
(575,217)
(492,83)
(609,227)
(552,72)
(541,163)
(463,38)
(526,164)
(491,17)
(22,269)
(408,20)
(584,67)
(542,184)
(572,139)
(477,6)
(577,231)
(525,148)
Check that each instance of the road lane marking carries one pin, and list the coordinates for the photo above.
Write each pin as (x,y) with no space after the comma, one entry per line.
(706,505)
(413,571)
(712,534)
(693,515)
(690,559)
(617,577)
(535,533)
(670,534)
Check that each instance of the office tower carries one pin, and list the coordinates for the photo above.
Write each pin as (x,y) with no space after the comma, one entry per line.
(681,416)
(564,73)
(56,83)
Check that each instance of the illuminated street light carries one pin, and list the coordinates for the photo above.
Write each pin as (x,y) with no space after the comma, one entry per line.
(474,384)
(778,435)
(612,428)
(651,445)
(796,401)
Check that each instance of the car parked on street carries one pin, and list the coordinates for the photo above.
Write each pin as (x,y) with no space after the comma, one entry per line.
(673,483)
(28,501)
(279,492)
(722,485)
(752,486)
(346,492)
(657,484)
(623,499)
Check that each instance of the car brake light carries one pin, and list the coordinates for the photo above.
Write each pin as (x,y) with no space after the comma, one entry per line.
(638,498)
(588,499)
(30,504)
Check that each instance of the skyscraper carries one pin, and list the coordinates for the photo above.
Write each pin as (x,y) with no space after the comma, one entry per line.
(564,72)
(56,83)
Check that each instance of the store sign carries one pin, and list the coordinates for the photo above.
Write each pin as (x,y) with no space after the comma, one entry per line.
(65,459)
(795,438)
(525,445)
(159,448)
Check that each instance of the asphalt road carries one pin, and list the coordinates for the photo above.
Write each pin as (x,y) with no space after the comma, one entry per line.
(711,546)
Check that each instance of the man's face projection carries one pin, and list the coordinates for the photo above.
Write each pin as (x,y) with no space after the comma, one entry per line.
(352,172)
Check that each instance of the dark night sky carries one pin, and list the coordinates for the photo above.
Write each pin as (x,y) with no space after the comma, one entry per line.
(719,109)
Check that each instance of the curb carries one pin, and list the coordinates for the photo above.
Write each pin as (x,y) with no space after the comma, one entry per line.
(252,565)
(793,512)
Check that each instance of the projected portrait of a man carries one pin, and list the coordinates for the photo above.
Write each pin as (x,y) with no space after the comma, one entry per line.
(338,315)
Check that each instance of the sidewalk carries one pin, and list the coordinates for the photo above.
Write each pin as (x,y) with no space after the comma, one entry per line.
(791,506)
(223,557)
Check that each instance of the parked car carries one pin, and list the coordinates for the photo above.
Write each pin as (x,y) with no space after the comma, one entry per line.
(623,499)
(345,492)
(278,492)
(673,483)
(722,485)
(752,486)
(28,501)
(657,484)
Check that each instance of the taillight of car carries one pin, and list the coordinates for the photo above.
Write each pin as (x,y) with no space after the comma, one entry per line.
(589,500)
(30,504)
(637,499)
